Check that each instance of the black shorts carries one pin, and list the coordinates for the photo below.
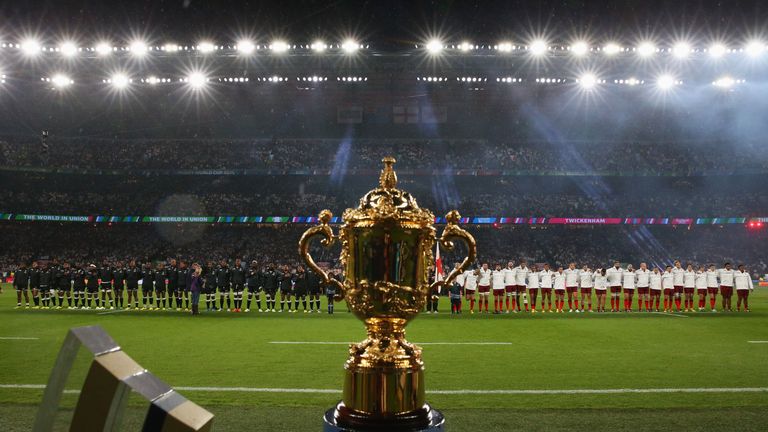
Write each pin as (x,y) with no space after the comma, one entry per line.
(270,292)
(159,288)
(253,289)
(136,288)
(92,290)
(21,288)
(105,287)
(237,287)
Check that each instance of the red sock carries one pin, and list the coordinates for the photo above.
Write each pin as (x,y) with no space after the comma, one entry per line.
(712,302)
(647,305)
(507,303)
(472,304)
(570,303)
(576,301)
(486,305)
(640,304)
(677,303)
(514,303)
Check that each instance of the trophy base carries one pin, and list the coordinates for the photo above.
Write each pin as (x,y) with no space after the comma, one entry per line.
(342,419)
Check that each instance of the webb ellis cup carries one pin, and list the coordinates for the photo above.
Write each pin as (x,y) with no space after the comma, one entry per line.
(386,252)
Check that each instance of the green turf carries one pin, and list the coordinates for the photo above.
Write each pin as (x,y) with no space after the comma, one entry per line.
(548,351)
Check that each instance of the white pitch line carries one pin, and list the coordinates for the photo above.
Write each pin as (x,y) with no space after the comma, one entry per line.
(417,343)
(112,312)
(17,338)
(670,314)
(758,342)
(449,392)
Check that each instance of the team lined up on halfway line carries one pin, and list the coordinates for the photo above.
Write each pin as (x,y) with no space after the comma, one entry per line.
(163,286)
(520,285)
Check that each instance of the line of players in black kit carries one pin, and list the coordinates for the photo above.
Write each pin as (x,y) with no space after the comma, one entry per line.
(164,286)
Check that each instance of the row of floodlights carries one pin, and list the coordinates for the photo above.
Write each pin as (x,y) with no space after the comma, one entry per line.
(139,48)
(198,80)
(680,49)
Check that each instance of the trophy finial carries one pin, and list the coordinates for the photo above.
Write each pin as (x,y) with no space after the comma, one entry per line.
(388,178)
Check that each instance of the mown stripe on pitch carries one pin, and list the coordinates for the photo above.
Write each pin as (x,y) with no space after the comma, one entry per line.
(17,338)
(450,392)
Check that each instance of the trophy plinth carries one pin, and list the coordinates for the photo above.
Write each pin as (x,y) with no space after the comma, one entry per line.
(386,251)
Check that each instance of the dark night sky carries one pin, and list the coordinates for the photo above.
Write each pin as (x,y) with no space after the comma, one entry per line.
(386,23)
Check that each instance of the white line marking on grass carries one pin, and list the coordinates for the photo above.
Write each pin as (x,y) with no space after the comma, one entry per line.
(112,312)
(449,392)
(417,343)
(670,314)
(758,342)
(17,338)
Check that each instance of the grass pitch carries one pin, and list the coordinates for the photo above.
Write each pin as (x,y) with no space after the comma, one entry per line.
(573,358)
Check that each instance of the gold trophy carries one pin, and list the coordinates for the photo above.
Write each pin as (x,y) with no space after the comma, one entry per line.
(386,251)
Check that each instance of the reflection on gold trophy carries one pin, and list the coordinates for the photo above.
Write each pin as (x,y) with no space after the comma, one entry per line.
(386,250)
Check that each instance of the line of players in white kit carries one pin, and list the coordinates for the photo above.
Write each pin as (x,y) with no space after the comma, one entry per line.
(518,286)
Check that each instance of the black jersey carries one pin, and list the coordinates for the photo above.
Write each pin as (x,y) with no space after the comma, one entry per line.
(118,275)
(286,283)
(313,282)
(172,274)
(106,274)
(237,275)
(222,278)
(270,280)
(34,278)
(93,279)
(147,280)
(21,279)
(46,278)
(253,279)
(63,279)
(132,276)
(78,278)
(181,278)
(209,278)
(160,280)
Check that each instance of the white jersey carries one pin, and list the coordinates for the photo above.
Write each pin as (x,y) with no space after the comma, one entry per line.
(726,277)
(485,278)
(743,280)
(460,279)
(509,276)
(559,281)
(655,281)
(701,280)
(470,280)
(628,281)
(689,279)
(667,280)
(571,277)
(614,276)
(643,278)
(585,279)
(547,278)
(678,274)
(521,274)
(712,279)
(533,279)
(600,282)
(497,278)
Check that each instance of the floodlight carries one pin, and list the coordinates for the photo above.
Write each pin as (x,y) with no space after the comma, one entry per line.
(717,50)
(611,49)
(505,47)
(318,46)
(206,47)
(538,47)
(103,48)
(434,46)
(754,48)
(580,48)
(349,46)
(30,47)
(68,49)
(197,80)
(646,49)
(588,81)
(120,81)
(681,50)
(246,47)
(465,46)
(279,47)
(61,81)
(665,82)
(138,48)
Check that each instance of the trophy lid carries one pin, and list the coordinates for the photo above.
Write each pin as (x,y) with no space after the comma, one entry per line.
(388,203)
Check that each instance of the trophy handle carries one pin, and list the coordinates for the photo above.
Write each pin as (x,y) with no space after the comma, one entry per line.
(328,240)
(452,232)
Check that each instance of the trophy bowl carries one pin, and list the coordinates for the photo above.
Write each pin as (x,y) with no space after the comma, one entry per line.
(386,253)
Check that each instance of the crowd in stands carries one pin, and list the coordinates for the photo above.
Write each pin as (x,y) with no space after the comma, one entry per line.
(341,155)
